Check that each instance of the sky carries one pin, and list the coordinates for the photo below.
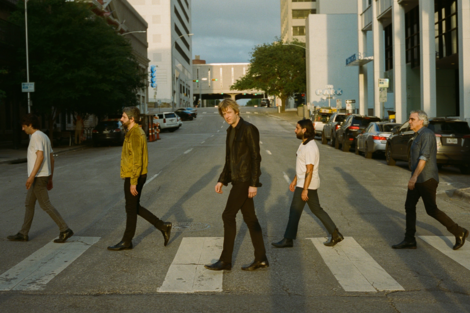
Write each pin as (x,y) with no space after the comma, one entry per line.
(226,31)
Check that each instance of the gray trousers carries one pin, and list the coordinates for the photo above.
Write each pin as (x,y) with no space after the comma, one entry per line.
(38,191)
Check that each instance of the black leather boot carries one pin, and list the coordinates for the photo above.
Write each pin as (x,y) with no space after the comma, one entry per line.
(166,232)
(284,243)
(460,239)
(121,246)
(63,236)
(334,238)
(219,266)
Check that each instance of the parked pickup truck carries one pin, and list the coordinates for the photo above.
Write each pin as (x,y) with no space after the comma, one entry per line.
(320,117)
(329,129)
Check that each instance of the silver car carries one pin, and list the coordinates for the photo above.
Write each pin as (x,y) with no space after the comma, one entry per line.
(374,138)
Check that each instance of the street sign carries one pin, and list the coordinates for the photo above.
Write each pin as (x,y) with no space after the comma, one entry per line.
(349,106)
(350,101)
(383,95)
(27,87)
(383,82)
(339,103)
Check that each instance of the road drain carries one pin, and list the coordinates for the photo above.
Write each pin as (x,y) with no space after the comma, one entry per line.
(187,226)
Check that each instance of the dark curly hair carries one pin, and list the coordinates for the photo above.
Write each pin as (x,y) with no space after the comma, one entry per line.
(30,120)
(309,129)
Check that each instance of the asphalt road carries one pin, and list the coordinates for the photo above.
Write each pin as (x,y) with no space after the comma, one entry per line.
(364,197)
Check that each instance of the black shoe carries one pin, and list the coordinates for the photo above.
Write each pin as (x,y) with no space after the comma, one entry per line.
(460,239)
(64,235)
(121,246)
(18,237)
(334,238)
(166,232)
(219,266)
(256,265)
(405,244)
(284,243)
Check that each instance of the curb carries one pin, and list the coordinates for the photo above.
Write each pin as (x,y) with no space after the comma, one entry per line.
(24,160)
(463,193)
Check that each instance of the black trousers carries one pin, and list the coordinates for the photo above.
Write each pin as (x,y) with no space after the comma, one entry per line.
(297,207)
(427,191)
(238,200)
(133,209)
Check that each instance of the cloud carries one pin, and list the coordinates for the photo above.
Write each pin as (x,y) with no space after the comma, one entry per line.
(227,31)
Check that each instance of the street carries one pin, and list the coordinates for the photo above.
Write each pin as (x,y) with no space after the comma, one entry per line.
(365,198)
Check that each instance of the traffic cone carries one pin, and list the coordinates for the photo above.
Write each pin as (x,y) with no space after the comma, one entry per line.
(151,137)
(157,130)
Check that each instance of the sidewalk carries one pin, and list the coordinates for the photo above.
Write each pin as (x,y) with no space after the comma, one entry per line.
(292,117)
(13,156)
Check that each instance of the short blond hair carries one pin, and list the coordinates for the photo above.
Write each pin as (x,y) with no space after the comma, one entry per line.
(226,104)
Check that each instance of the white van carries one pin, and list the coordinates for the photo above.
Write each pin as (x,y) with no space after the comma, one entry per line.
(168,120)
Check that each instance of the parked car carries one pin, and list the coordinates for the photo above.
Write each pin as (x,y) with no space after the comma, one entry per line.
(168,120)
(352,126)
(374,138)
(108,131)
(452,139)
(329,129)
(192,110)
(319,118)
(265,102)
(184,114)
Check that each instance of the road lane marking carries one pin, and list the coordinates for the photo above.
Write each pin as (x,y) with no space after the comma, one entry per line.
(268,152)
(286,178)
(222,126)
(204,112)
(34,272)
(187,273)
(203,141)
(212,136)
(354,268)
(218,130)
(445,243)
(187,151)
(260,142)
(153,177)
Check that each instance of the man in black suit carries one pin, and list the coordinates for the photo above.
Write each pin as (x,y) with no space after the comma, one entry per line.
(242,169)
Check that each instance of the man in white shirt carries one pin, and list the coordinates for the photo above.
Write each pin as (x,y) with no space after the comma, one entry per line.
(305,185)
(40,171)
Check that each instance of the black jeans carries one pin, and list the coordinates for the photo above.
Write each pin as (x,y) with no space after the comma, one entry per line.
(297,207)
(427,191)
(133,209)
(238,200)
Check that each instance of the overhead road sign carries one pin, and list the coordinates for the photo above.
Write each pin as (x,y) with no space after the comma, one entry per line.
(357,59)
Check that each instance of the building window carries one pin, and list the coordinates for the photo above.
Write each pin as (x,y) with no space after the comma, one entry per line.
(445,18)
(302,14)
(181,20)
(182,53)
(181,35)
(298,31)
(184,10)
(412,37)
(388,47)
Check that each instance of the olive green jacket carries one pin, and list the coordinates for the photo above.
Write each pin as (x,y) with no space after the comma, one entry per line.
(134,157)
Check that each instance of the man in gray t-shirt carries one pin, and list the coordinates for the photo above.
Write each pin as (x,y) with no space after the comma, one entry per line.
(40,171)
(423,184)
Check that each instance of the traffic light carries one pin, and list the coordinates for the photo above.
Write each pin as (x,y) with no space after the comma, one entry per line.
(153,76)
(214,79)
(195,80)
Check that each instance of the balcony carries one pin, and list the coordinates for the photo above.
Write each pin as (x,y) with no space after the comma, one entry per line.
(366,17)
(384,7)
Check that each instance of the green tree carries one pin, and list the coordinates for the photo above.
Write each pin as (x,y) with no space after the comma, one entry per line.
(77,61)
(278,68)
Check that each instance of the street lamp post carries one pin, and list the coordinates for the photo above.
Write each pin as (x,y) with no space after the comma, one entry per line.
(134,32)
(27,51)
(173,102)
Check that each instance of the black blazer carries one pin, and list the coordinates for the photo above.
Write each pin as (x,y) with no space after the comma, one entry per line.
(245,158)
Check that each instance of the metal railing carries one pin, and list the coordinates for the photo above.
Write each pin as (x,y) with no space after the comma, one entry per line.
(383,6)
(366,17)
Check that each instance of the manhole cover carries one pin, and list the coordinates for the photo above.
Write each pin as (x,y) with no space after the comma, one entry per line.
(189,226)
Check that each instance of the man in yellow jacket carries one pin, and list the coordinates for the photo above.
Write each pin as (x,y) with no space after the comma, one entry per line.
(134,163)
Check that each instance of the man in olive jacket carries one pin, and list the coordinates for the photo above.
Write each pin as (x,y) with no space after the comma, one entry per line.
(134,163)
(242,169)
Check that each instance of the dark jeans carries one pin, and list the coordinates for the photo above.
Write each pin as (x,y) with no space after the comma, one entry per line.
(238,200)
(427,191)
(297,207)
(133,209)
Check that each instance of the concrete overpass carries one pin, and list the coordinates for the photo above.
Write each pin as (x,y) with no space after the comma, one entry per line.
(214,81)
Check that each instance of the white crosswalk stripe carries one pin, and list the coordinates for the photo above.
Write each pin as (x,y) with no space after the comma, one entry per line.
(42,266)
(445,243)
(187,273)
(354,268)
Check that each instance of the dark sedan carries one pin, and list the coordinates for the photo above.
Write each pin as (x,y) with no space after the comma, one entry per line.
(452,139)
(184,114)
(192,110)
(108,131)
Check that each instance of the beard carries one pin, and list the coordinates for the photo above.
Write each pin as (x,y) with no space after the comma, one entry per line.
(126,125)
(300,136)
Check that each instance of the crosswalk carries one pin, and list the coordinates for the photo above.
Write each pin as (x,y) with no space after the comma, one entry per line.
(350,264)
